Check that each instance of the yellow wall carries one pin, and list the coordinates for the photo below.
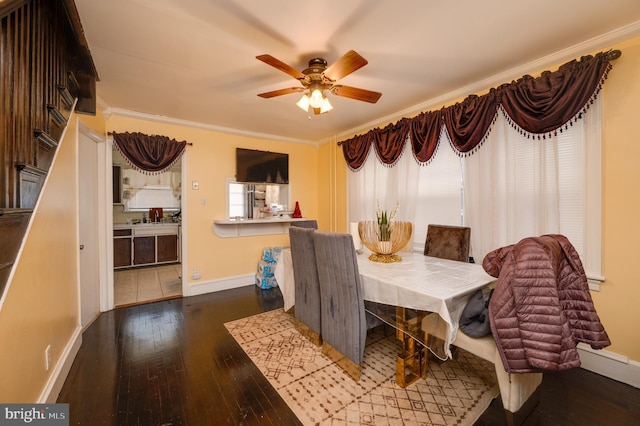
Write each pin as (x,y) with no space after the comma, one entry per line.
(619,299)
(210,161)
(332,189)
(41,305)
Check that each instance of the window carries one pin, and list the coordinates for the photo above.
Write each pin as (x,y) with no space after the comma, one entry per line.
(258,197)
(513,187)
(236,199)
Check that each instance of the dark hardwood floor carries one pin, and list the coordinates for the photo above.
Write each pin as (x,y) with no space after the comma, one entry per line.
(173,363)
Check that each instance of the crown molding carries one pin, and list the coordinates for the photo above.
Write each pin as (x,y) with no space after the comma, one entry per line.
(603,41)
(109,112)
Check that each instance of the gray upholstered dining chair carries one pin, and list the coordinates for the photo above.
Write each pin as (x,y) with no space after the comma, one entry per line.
(305,280)
(311,223)
(344,320)
(448,242)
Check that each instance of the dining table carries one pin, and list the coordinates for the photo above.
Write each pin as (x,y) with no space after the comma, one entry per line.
(423,283)
(415,286)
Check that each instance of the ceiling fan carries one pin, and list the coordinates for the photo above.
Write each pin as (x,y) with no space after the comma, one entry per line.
(318,77)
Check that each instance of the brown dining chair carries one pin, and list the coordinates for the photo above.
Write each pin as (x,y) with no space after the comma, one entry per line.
(344,320)
(448,242)
(305,280)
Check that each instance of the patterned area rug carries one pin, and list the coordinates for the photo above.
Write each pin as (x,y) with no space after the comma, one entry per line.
(455,392)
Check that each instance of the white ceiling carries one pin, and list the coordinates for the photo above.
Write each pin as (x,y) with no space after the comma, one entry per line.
(194,60)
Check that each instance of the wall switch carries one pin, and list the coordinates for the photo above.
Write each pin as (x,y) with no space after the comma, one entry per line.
(47,358)
(195,185)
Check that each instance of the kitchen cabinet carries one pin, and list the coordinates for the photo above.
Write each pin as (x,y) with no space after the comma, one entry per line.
(144,250)
(145,244)
(122,248)
(167,248)
(117,184)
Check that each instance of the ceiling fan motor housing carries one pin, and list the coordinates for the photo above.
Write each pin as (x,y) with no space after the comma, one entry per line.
(317,66)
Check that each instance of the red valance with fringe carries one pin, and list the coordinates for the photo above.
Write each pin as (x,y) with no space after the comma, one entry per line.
(150,154)
(535,106)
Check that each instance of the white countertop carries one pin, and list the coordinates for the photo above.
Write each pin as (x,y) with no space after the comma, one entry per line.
(274,219)
(143,225)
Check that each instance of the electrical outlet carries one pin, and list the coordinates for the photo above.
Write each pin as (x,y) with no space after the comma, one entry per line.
(47,358)
(196,274)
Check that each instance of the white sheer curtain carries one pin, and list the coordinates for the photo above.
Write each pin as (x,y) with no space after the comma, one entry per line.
(439,196)
(513,187)
(517,187)
(377,183)
(426,194)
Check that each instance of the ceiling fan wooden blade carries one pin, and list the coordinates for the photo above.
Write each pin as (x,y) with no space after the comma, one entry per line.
(344,66)
(277,63)
(281,92)
(355,93)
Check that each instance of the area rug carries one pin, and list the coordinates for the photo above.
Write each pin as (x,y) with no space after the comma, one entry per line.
(455,392)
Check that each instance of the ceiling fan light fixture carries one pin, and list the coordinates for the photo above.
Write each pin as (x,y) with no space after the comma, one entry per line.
(303,103)
(326,106)
(317,78)
(317,98)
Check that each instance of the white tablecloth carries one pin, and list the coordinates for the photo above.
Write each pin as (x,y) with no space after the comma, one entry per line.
(284,277)
(424,283)
(417,282)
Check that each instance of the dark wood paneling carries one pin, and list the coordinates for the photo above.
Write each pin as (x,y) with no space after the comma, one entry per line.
(13,223)
(30,180)
(42,47)
(42,51)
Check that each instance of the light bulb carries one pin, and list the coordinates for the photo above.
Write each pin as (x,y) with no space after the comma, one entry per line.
(316,98)
(303,103)
(326,106)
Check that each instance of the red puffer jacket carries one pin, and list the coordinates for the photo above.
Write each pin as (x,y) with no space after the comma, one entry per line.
(541,307)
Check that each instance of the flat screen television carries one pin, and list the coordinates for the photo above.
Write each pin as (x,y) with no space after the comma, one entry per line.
(254,166)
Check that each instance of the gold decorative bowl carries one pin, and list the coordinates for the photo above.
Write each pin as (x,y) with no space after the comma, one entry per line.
(385,251)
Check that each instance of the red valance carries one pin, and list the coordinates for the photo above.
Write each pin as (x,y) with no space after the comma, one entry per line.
(356,150)
(544,104)
(149,153)
(533,105)
(424,132)
(389,142)
(468,122)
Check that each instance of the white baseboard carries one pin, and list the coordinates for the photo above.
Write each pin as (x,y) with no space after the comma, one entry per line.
(610,364)
(227,283)
(61,370)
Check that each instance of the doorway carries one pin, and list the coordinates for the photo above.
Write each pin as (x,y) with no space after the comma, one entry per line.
(147,263)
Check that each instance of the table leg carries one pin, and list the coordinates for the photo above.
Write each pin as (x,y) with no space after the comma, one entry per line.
(411,364)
